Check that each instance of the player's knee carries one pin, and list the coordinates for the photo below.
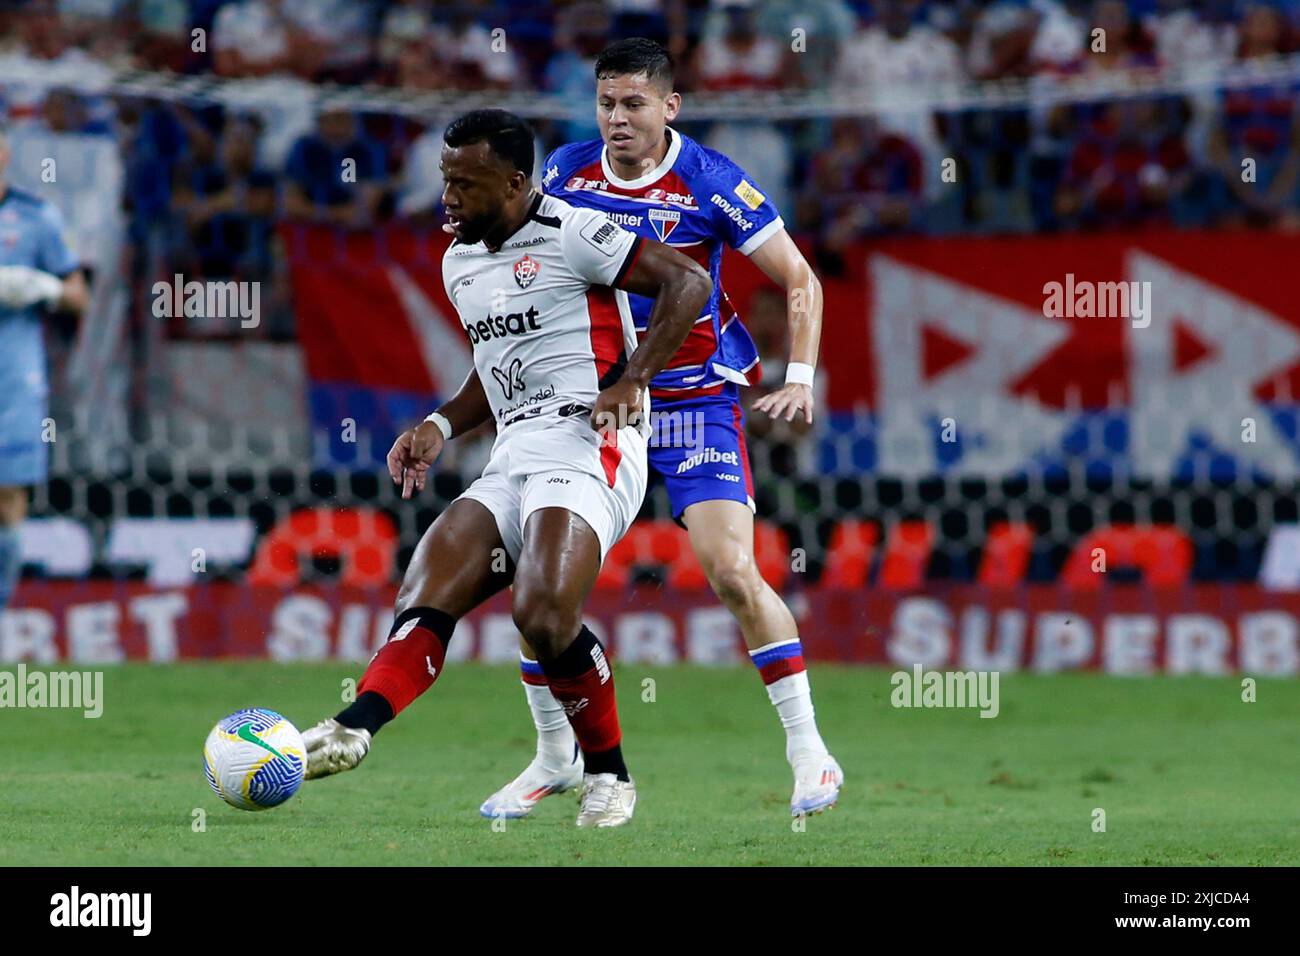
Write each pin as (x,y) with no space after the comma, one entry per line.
(734,579)
(546,621)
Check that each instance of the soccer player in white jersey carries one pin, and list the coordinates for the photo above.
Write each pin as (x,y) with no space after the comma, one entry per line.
(562,375)
(663,185)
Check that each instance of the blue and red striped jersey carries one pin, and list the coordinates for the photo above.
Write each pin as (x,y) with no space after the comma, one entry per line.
(695,201)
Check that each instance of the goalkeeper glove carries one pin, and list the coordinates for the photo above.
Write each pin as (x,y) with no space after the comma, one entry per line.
(23,286)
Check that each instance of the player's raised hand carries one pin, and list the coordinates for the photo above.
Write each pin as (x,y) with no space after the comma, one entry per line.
(411,456)
(788,401)
(617,406)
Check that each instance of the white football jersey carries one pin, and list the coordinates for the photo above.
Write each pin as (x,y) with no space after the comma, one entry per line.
(547,328)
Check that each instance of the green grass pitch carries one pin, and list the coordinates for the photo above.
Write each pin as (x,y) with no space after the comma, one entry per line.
(1186,772)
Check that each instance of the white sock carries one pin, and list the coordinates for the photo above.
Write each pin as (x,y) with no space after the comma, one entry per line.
(792,698)
(791,695)
(555,740)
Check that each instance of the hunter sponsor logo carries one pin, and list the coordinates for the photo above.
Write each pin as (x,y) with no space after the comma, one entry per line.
(664,222)
(732,213)
(624,218)
(710,456)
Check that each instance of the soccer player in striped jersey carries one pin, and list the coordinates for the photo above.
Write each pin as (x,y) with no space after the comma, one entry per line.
(662,185)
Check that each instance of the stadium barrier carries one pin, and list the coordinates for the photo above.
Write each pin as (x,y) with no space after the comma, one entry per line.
(1125,629)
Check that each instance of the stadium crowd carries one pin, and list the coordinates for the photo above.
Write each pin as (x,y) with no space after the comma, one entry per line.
(204,184)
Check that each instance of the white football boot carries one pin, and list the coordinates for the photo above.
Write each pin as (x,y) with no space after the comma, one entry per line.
(606,801)
(332,748)
(517,798)
(817,782)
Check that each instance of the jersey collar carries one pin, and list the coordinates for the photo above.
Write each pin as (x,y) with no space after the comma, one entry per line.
(533,208)
(670,157)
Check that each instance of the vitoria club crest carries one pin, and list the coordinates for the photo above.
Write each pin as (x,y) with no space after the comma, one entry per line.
(526,270)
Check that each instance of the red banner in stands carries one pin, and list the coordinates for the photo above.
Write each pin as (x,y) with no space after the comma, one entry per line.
(902,315)
(1208,629)
(921,301)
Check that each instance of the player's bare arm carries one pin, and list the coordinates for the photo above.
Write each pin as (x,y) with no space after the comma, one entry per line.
(681,290)
(783,263)
(416,449)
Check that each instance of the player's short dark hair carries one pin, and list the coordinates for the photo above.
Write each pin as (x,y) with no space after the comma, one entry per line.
(505,133)
(636,55)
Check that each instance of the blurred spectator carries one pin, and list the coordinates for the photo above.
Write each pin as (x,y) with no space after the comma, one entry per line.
(253,38)
(99,27)
(406,48)
(892,58)
(314,39)
(823,22)
(163,40)
(420,187)
(67,158)
(1192,34)
(638,18)
(896,53)
(335,45)
(1001,41)
(1130,163)
(337,174)
(1263,33)
(868,181)
(424,46)
(580,36)
(1122,44)
(226,206)
(1061,35)
(732,55)
(1255,148)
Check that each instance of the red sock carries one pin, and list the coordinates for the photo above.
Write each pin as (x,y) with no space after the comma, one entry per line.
(412,659)
(582,681)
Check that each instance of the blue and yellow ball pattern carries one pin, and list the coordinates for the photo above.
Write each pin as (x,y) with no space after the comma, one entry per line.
(254,759)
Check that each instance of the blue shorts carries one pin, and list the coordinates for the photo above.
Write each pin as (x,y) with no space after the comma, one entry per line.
(24,456)
(699,449)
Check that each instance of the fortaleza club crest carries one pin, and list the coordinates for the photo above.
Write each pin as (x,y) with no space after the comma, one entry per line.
(526,270)
(664,222)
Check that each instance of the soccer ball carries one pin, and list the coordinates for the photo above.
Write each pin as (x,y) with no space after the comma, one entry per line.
(254,759)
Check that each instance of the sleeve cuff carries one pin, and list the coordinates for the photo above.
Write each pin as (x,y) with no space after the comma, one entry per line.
(751,244)
(628,261)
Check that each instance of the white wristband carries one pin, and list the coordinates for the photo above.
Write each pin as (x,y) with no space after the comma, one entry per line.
(444,426)
(799,373)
